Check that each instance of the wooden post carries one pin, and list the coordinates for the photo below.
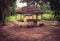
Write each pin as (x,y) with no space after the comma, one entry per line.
(41,16)
(36,18)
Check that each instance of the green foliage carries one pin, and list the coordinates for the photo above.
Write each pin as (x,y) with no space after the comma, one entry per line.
(45,9)
(48,16)
(15,17)
(12,10)
(18,16)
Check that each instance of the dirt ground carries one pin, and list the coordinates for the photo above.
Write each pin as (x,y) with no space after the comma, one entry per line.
(16,33)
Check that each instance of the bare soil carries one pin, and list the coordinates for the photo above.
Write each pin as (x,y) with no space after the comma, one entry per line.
(15,33)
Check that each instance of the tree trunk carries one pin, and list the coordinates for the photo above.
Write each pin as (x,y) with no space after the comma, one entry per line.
(4,11)
(4,16)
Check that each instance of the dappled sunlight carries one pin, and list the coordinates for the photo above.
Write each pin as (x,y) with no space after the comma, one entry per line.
(39,17)
(19,16)
(48,16)
(15,17)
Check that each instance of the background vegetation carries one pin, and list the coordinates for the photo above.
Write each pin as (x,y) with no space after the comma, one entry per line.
(48,6)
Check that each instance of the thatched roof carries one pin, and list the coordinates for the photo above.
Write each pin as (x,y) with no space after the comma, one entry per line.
(29,10)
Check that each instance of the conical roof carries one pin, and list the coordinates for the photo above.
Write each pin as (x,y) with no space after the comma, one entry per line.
(29,10)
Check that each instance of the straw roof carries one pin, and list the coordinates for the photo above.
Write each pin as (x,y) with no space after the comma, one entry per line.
(29,10)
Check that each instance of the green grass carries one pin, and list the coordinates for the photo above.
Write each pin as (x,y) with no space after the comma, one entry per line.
(18,16)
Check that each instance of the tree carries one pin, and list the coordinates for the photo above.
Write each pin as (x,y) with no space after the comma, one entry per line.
(4,7)
(31,2)
(55,6)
